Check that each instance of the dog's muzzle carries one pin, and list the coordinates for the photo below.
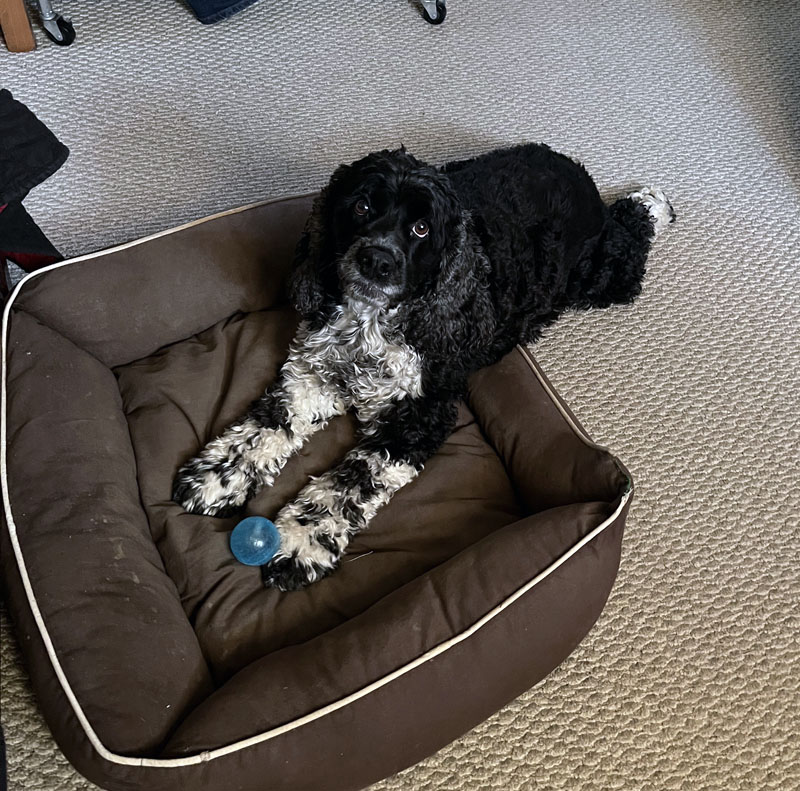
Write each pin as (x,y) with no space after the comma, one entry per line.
(372,271)
(377,264)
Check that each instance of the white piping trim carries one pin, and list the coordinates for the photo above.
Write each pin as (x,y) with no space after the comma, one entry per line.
(321,712)
(126,245)
(555,398)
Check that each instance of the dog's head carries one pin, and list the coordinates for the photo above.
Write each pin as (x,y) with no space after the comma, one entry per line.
(381,232)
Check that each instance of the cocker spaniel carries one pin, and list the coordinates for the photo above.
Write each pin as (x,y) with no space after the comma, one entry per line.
(407,279)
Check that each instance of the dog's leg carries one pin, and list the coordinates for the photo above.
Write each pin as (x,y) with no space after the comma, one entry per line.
(658,207)
(253,450)
(317,526)
(613,274)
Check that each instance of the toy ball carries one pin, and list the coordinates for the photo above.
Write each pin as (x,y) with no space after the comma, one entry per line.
(254,541)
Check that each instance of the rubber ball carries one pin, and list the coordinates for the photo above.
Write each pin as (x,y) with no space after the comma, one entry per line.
(255,540)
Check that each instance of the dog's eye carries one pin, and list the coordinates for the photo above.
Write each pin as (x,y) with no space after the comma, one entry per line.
(421,228)
(361,208)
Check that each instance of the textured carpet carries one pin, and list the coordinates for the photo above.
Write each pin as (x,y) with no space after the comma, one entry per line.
(690,678)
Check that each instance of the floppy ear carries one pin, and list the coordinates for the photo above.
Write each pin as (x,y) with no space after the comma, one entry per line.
(464,264)
(313,274)
(305,279)
(456,313)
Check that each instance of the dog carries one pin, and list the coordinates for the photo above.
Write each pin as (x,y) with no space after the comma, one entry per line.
(407,279)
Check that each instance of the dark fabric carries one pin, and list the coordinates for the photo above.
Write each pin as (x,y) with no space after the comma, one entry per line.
(22,241)
(3,780)
(101,581)
(29,151)
(411,717)
(122,305)
(210,11)
(505,392)
(186,394)
(121,365)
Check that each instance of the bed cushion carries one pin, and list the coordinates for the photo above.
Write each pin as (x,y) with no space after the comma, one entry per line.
(158,660)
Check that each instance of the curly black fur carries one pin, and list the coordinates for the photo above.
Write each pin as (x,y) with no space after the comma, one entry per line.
(517,236)
(408,278)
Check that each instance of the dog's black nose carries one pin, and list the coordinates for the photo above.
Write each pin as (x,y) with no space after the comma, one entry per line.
(375,262)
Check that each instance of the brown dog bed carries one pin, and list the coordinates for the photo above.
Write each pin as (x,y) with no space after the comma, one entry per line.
(158,660)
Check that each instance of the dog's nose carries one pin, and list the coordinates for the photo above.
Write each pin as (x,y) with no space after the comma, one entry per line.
(375,262)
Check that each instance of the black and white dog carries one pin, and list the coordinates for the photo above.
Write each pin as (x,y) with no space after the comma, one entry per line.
(407,279)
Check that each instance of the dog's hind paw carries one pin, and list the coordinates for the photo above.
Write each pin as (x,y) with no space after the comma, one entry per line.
(658,206)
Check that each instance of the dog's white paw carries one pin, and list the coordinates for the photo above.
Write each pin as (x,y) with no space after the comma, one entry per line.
(220,488)
(218,481)
(313,541)
(232,467)
(657,205)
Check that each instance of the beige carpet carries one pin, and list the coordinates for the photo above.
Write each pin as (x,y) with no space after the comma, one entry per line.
(691,678)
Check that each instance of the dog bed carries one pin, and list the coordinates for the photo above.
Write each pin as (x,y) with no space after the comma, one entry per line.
(158,661)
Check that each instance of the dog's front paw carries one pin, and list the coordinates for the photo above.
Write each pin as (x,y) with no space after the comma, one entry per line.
(213,488)
(312,544)
(293,573)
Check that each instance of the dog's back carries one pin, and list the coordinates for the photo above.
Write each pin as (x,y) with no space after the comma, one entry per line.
(552,242)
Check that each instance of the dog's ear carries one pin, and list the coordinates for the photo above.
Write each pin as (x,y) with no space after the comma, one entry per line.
(305,279)
(313,275)
(456,310)
(463,264)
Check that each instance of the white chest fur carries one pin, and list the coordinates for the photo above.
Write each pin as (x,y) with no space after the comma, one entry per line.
(359,353)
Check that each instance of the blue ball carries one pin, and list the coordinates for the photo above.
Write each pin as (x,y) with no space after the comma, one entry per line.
(255,540)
